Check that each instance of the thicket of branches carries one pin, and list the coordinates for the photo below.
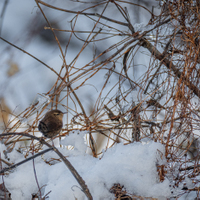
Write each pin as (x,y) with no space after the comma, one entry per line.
(158,102)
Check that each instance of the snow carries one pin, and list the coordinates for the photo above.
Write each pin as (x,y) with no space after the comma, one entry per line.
(133,166)
(77,141)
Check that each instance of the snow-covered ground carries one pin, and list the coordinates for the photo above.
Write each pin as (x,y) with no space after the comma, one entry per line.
(133,166)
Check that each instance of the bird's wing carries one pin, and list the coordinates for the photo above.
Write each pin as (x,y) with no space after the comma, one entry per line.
(54,126)
(42,127)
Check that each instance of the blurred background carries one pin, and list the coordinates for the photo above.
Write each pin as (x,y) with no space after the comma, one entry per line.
(23,79)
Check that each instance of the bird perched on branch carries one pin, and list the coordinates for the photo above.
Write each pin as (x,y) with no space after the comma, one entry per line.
(51,124)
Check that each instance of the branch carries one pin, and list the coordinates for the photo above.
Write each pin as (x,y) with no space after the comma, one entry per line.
(146,44)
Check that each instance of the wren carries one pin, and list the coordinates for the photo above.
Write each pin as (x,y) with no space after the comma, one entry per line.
(51,124)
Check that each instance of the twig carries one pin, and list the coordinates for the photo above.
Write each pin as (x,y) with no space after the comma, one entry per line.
(24,161)
(31,56)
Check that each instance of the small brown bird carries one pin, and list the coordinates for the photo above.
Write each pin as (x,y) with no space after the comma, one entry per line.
(51,124)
